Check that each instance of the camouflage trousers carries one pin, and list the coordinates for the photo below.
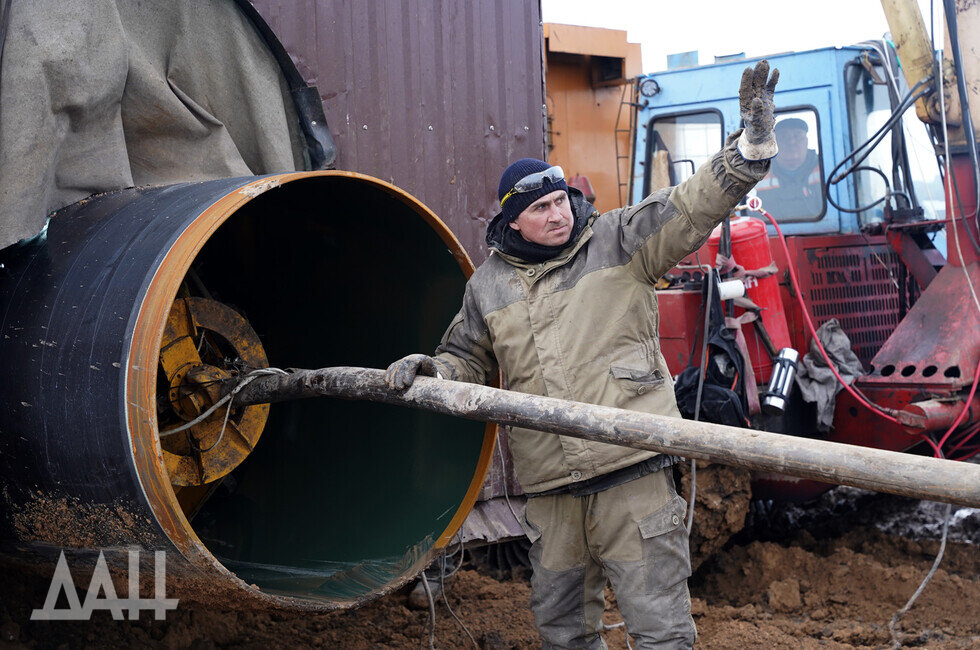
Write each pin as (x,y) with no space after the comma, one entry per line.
(634,535)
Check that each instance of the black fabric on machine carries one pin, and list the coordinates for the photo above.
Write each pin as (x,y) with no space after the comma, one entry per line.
(723,395)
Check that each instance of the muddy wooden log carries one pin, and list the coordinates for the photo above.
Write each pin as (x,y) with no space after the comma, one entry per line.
(831,462)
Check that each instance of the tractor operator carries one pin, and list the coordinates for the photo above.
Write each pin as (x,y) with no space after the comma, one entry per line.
(794,186)
(565,307)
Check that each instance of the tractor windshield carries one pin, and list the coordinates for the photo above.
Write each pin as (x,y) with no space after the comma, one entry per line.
(908,163)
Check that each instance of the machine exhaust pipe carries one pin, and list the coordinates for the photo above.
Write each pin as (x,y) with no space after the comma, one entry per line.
(140,302)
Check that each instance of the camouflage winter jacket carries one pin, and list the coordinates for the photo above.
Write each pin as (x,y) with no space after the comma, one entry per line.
(583,326)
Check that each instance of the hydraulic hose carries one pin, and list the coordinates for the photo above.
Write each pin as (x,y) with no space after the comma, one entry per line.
(882,411)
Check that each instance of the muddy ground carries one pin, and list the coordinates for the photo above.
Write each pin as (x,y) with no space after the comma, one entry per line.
(828,575)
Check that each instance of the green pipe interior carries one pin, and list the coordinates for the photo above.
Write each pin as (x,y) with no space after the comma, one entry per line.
(339,499)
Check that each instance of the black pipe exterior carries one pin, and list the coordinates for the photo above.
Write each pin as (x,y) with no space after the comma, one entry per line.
(69,302)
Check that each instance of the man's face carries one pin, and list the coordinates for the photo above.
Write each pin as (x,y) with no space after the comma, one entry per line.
(547,221)
(792,147)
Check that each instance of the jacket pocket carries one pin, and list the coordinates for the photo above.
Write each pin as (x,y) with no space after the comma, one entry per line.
(638,381)
(665,545)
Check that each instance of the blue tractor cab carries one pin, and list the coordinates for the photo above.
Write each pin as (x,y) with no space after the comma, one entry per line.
(828,102)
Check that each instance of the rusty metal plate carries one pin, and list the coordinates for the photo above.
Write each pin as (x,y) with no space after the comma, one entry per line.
(214,447)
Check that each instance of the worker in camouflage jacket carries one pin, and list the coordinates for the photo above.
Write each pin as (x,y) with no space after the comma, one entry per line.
(565,307)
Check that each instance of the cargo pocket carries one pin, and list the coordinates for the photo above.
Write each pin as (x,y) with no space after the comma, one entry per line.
(638,381)
(665,546)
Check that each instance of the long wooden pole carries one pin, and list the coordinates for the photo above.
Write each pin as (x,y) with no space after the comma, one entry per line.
(831,462)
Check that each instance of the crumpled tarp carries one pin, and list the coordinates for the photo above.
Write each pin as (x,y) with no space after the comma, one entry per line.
(97,95)
(816,380)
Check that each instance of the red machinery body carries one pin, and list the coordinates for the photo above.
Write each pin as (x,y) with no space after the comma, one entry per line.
(920,360)
(875,251)
(751,251)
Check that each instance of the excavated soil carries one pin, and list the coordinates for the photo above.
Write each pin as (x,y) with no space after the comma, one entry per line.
(830,575)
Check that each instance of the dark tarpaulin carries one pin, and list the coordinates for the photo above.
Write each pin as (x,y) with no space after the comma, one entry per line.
(97,95)
(436,96)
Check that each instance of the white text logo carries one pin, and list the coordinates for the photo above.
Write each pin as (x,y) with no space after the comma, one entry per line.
(102,581)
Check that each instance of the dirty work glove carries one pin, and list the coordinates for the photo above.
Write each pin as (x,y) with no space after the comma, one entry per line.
(758,141)
(402,373)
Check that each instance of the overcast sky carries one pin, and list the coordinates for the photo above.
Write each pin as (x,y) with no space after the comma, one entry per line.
(718,27)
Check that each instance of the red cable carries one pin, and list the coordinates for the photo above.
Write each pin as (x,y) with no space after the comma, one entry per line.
(966,407)
(965,437)
(962,440)
(936,451)
(967,452)
(813,332)
(960,459)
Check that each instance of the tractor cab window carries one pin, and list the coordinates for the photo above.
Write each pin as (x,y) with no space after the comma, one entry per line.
(793,188)
(678,144)
(869,106)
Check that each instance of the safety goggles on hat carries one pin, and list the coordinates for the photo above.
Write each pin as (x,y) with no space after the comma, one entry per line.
(535,181)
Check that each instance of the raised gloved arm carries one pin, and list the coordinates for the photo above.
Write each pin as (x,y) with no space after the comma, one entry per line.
(755,103)
(672,222)
(401,374)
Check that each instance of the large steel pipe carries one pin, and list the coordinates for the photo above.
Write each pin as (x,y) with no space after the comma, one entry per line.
(135,307)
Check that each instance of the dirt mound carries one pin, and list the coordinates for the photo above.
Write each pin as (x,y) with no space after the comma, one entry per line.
(798,577)
(843,592)
(722,503)
(808,593)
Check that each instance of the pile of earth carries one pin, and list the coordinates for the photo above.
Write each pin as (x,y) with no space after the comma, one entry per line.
(829,575)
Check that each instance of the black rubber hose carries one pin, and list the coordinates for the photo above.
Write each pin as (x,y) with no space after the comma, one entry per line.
(888,191)
(879,135)
(870,144)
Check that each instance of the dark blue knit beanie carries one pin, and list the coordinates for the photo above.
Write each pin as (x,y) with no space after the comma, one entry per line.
(517,202)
